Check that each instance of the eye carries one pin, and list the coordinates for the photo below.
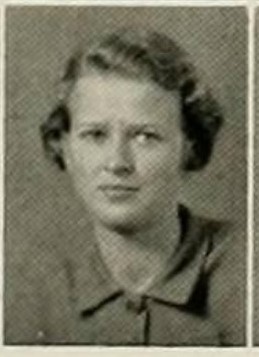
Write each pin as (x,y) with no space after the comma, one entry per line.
(146,137)
(96,135)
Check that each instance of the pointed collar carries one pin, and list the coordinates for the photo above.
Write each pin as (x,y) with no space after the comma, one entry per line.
(94,286)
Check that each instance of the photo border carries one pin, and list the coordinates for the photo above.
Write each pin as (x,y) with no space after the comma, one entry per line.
(249,350)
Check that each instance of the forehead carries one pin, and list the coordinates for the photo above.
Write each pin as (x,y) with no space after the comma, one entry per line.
(113,95)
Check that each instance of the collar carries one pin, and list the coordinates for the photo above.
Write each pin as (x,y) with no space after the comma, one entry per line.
(94,286)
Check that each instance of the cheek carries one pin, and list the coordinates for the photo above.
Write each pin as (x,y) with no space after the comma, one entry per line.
(81,158)
(80,166)
(163,166)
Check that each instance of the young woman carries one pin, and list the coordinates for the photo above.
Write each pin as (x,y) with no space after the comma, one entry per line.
(132,121)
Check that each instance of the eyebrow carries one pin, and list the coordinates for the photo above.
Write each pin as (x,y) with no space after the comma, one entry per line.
(131,126)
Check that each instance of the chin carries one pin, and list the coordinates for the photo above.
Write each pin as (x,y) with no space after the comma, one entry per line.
(124,222)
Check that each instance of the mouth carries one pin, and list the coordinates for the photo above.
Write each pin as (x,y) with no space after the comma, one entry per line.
(118,191)
(118,188)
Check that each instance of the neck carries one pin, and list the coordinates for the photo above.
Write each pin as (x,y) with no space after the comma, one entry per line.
(137,258)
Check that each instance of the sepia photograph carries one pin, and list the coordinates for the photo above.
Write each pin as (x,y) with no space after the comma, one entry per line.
(125,176)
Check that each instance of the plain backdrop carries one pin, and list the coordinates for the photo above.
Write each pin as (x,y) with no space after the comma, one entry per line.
(40,205)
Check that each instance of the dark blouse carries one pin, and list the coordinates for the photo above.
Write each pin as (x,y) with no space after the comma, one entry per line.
(63,299)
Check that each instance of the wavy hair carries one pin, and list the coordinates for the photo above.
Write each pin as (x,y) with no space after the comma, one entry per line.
(143,55)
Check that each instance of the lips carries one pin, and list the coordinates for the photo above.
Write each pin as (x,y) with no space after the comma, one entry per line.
(118,192)
(118,188)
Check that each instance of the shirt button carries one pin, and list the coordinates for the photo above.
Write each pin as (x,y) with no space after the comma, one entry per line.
(135,303)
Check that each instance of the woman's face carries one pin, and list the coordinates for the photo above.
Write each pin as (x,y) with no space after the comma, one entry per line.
(123,150)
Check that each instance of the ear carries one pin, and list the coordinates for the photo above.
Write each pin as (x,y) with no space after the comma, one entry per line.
(53,131)
(55,153)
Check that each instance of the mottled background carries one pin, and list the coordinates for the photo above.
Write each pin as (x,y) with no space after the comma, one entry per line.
(40,205)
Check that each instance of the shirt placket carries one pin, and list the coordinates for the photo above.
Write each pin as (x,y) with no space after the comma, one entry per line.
(139,306)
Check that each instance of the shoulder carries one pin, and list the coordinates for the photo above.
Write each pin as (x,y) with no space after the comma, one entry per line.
(225,243)
(226,270)
(225,257)
(213,237)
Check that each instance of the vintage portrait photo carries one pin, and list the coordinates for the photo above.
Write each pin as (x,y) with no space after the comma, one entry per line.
(125,176)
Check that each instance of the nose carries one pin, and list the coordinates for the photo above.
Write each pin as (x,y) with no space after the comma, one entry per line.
(120,159)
